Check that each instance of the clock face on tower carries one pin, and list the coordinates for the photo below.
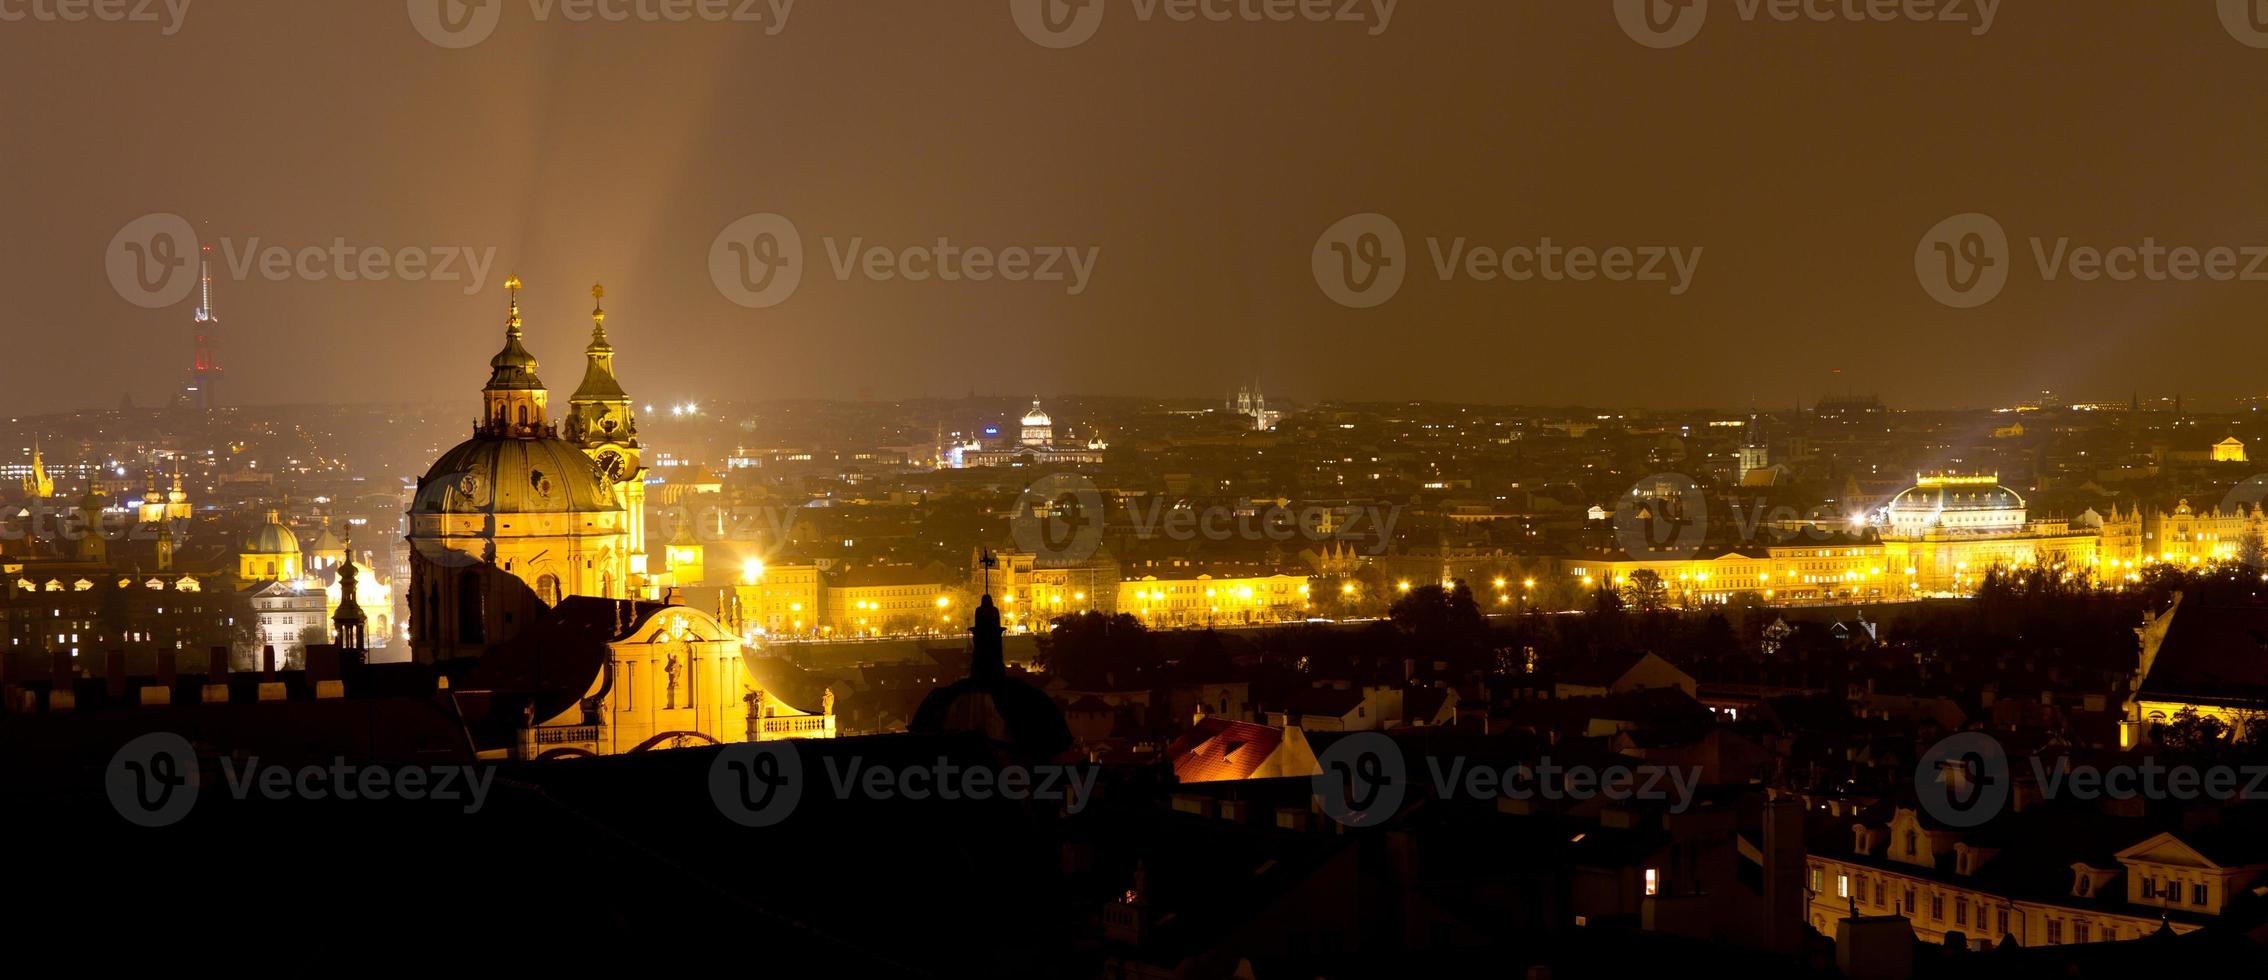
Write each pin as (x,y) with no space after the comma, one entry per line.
(610,463)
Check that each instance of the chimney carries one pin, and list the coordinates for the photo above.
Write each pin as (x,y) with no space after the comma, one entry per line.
(1875,947)
(114,673)
(216,677)
(63,683)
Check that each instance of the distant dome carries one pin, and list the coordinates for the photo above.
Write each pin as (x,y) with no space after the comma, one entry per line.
(1036,417)
(273,538)
(502,475)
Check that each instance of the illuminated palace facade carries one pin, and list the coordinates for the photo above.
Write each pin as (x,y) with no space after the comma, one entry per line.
(1937,537)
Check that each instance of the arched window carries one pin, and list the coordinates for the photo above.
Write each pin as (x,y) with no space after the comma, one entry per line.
(271,570)
(470,629)
(523,415)
(547,589)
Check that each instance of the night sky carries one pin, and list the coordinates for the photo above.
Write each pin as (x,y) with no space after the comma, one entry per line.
(1806,160)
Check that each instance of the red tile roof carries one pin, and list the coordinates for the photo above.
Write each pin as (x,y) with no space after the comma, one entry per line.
(1219,749)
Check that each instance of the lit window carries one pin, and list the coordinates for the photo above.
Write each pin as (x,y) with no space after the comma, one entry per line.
(1653,881)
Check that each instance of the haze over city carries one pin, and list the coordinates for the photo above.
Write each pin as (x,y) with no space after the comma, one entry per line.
(1200,160)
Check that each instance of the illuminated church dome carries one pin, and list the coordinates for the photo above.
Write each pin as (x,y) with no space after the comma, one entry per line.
(514,520)
(272,538)
(1955,503)
(513,476)
(515,463)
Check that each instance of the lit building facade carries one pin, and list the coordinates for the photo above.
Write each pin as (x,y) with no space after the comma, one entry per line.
(1207,601)
(1944,885)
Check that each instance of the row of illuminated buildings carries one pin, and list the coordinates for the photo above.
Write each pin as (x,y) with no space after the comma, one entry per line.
(809,601)
(1941,536)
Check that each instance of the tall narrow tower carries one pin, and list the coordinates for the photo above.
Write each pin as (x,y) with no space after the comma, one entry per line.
(204,365)
(599,420)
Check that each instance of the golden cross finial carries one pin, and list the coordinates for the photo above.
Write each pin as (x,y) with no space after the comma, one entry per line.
(512,292)
(598,304)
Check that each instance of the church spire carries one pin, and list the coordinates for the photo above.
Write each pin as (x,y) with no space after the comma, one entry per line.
(514,398)
(350,621)
(598,320)
(599,413)
(38,484)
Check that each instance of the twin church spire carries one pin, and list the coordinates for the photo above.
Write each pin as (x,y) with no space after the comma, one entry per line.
(517,405)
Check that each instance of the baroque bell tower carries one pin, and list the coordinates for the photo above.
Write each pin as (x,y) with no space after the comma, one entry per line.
(513,404)
(600,421)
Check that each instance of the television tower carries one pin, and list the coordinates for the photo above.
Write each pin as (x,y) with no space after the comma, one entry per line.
(204,367)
